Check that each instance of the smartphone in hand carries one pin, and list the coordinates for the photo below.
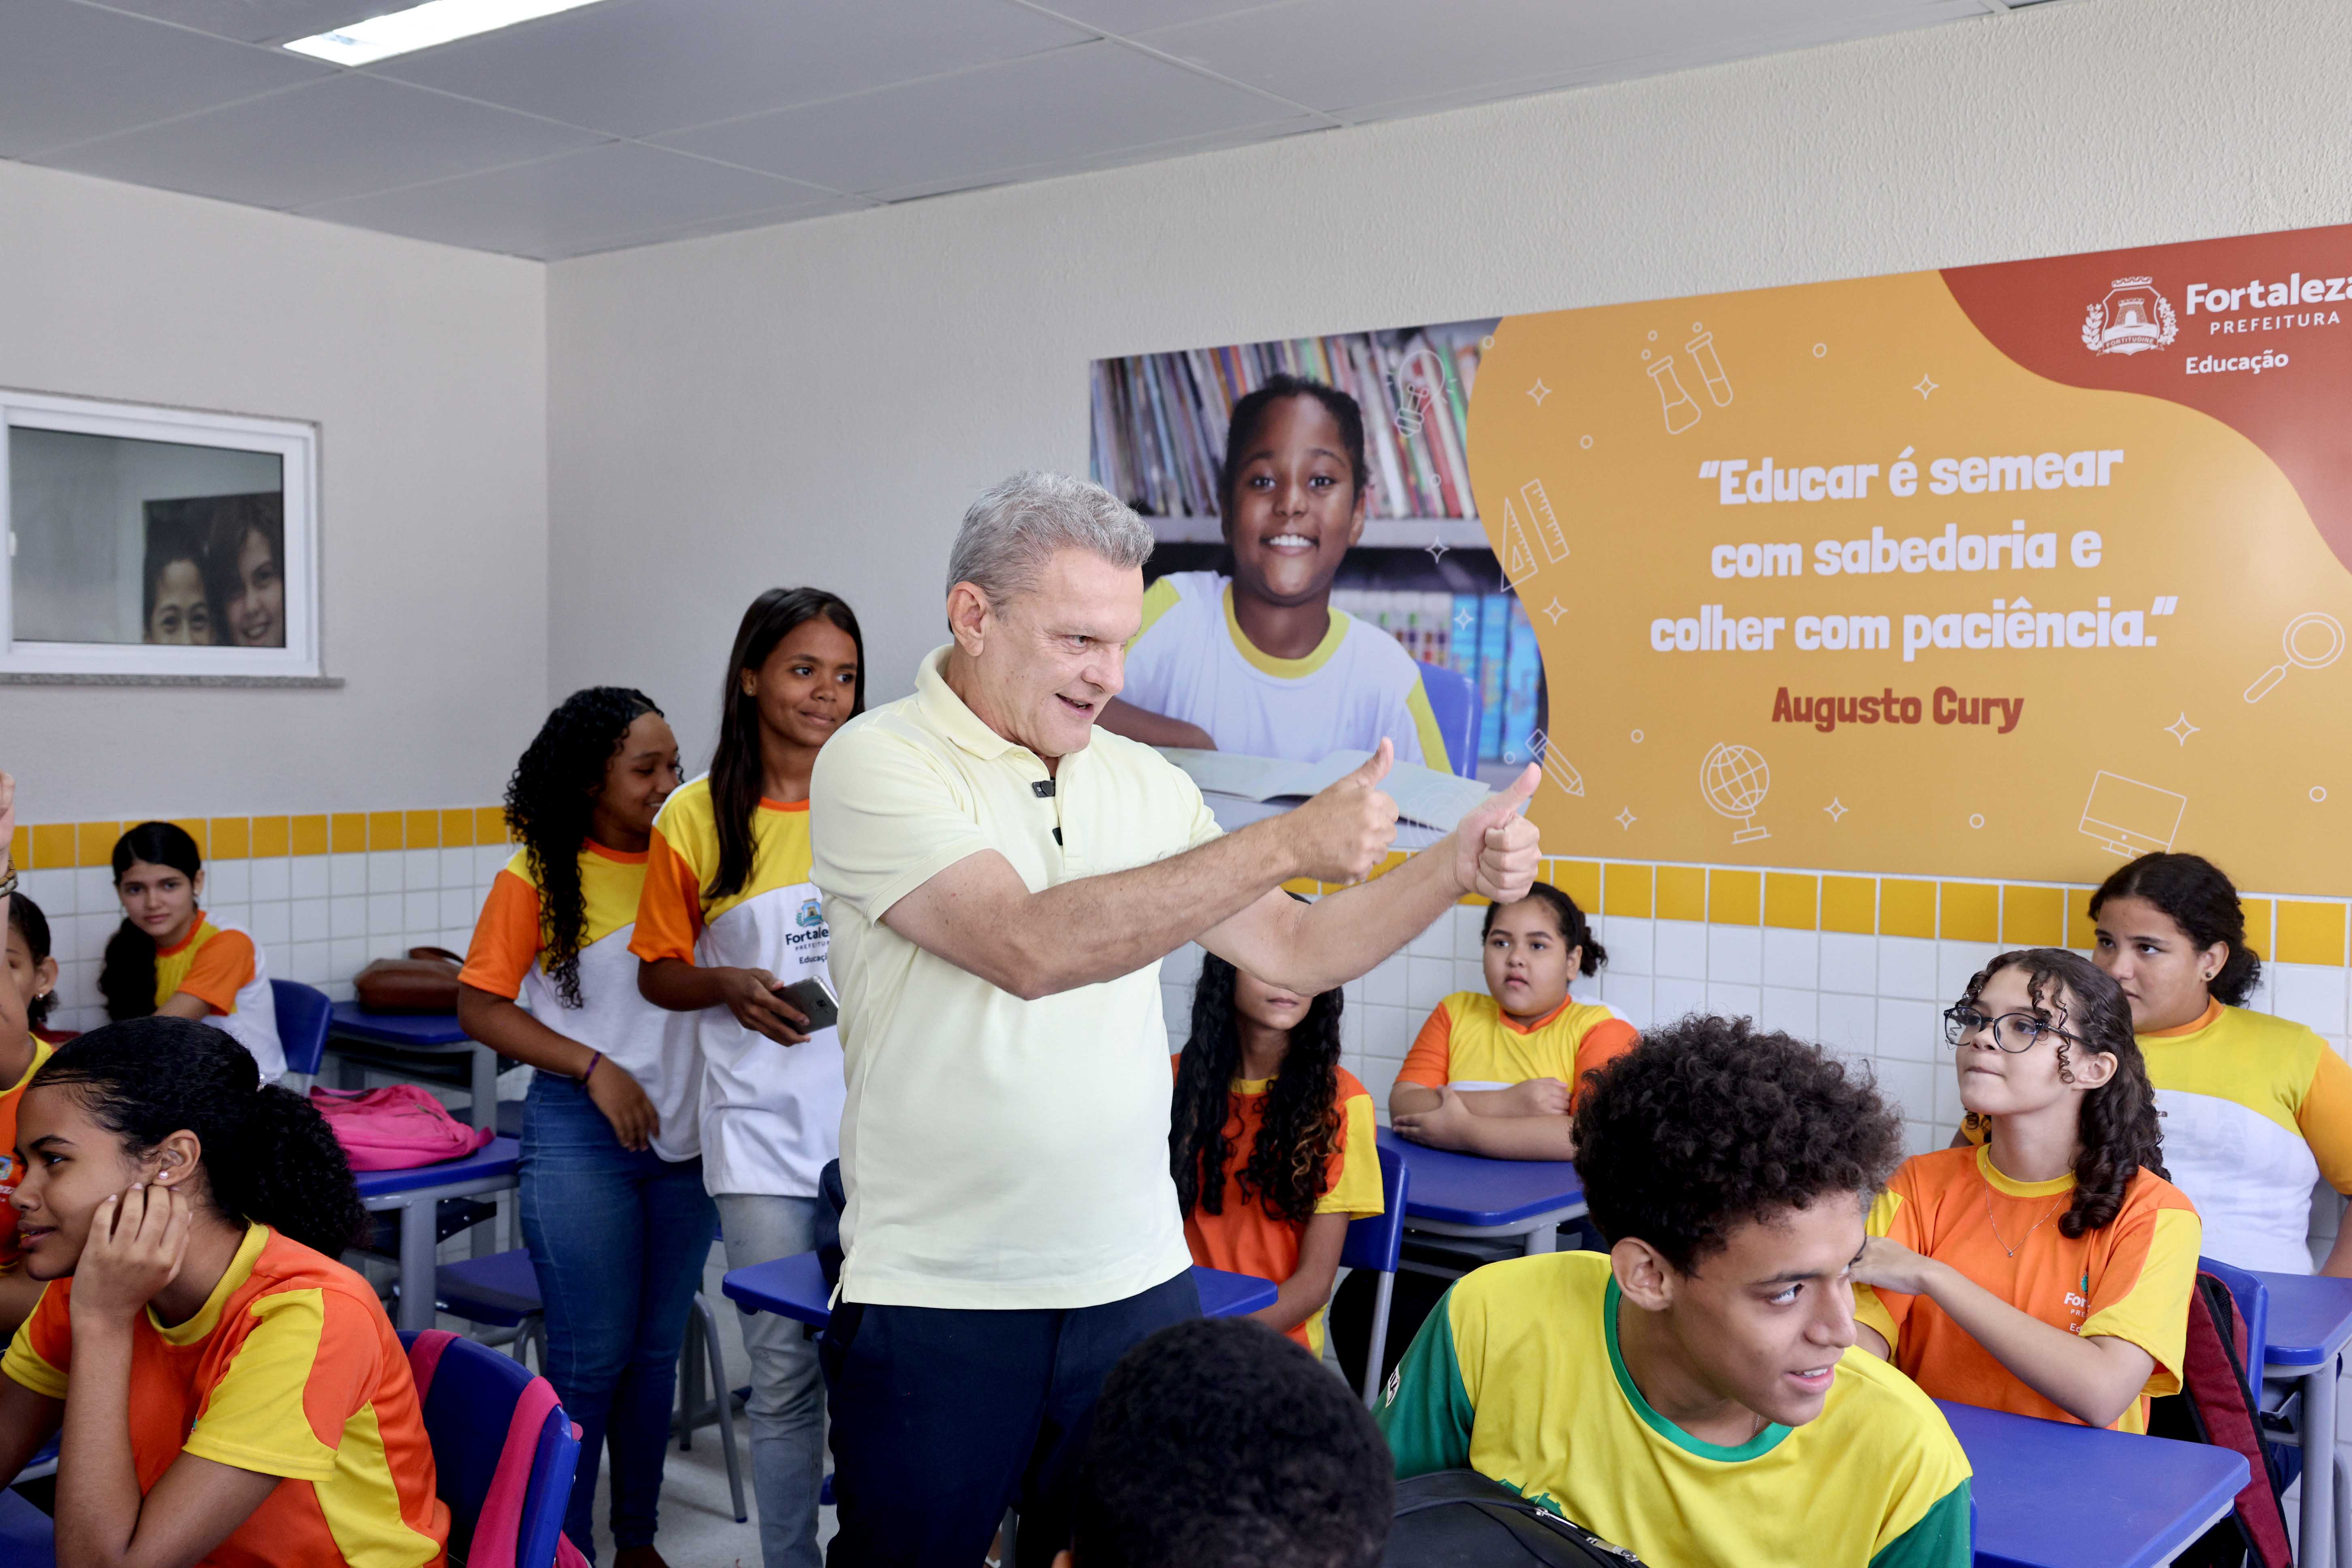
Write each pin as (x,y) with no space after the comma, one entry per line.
(815,1001)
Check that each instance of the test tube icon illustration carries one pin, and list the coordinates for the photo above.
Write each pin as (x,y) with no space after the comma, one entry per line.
(1711,366)
(1682,409)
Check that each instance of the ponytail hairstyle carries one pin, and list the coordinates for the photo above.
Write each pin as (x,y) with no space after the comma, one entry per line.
(126,979)
(2118,1126)
(1290,1165)
(269,1157)
(2197,897)
(1251,412)
(1574,929)
(26,919)
(550,801)
(735,773)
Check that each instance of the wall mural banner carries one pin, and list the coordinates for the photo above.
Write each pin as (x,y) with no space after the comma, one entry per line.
(2008,571)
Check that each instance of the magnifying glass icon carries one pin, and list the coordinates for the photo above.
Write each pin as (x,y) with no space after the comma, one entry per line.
(2313,640)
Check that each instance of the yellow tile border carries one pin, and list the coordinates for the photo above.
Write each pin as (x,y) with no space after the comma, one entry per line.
(65,846)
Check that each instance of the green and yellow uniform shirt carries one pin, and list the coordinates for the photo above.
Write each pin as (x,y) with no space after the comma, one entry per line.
(1517,1375)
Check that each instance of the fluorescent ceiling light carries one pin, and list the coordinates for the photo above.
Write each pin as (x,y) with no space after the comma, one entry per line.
(422,27)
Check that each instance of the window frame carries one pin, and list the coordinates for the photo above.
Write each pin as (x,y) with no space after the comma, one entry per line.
(294,442)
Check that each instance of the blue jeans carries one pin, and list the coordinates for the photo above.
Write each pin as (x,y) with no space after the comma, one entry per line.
(619,1241)
(787,1406)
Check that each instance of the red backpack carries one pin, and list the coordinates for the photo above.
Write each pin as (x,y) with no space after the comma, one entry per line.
(2216,1405)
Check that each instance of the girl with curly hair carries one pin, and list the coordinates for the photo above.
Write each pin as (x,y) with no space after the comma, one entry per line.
(1271,1142)
(612,1201)
(229,1392)
(2048,1271)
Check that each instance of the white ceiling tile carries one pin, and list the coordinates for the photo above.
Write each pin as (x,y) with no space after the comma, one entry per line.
(1072,103)
(347,135)
(638,67)
(1181,147)
(560,205)
(259,21)
(1340,54)
(71,72)
(1129,16)
(767,218)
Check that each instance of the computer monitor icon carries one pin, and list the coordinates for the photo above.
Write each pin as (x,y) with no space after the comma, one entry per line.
(2130,818)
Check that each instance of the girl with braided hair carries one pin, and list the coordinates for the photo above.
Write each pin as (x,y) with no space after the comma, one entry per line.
(612,1198)
(2048,1270)
(229,1392)
(1271,1142)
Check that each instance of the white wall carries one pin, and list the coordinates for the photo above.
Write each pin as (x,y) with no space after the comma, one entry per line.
(819,402)
(424,368)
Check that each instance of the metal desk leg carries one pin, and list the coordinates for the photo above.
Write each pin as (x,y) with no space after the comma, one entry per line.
(417,1265)
(2317,1548)
(484,1111)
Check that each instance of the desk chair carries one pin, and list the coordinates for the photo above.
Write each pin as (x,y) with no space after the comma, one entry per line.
(500,1292)
(468,1408)
(1376,1242)
(302,1019)
(1454,703)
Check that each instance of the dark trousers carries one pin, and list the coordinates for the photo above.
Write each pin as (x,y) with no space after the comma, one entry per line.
(942,1417)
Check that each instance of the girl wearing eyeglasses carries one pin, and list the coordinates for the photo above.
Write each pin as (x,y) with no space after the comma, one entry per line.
(2257,1109)
(2048,1271)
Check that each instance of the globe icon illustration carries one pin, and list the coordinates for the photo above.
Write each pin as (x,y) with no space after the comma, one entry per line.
(1734,779)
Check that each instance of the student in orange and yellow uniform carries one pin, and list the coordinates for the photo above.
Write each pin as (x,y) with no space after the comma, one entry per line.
(31,963)
(1271,1142)
(22,1052)
(1497,1075)
(2257,1109)
(729,918)
(169,957)
(2047,1272)
(230,1394)
(612,1201)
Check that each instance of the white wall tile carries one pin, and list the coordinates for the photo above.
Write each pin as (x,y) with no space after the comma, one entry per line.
(1848,1024)
(421,912)
(273,877)
(1469,938)
(1631,943)
(384,915)
(1957,963)
(1791,1011)
(1735,954)
(1949,1110)
(1378,1076)
(1434,940)
(458,939)
(1922,1138)
(1906,967)
(2309,993)
(312,876)
(346,956)
(421,869)
(94,890)
(457,868)
(1908,1086)
(227,882)
(386,872)
(1681,950)
(53,891)
(1910,1031)
(1793,958)
(1469,975)
(239,914)
(1671,997)
(347,874)
(1734,1001)
(1389,1031)
(1849,963)
(1428,981)
(309,918)
(1629,994)
(307,962)
(347,916)
(272,925)
(1386,983)
(462,906)
(490,859)
(89,934)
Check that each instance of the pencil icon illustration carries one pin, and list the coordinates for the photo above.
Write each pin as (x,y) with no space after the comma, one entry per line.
(1556,767)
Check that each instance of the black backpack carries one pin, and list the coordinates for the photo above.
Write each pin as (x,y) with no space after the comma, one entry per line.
(1459,1519)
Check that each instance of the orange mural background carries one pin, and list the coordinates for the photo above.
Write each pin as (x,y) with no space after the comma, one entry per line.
(2211,708)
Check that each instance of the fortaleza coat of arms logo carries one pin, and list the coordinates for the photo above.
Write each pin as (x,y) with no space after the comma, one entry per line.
(2132,319)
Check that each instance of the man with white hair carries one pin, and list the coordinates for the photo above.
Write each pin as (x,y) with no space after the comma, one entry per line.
(1003,879)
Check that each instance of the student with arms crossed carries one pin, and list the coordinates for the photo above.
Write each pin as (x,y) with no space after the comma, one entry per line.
(1686,1396)
(1497,1075)
(168,957)
(1271,1142)
(1259,662)
(2257,1109)
(612,1201)
(230,1394)
(2048,1271)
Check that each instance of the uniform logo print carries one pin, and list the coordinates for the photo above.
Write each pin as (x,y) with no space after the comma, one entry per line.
(2132,319)
(812,913)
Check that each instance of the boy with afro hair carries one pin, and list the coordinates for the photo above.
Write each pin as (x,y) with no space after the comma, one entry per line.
(1686,1396)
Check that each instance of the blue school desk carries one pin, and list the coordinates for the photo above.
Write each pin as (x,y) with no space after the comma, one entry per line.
(414,1193)
(2311,1321)
(28,1539)
(2052,1495)
(1466,1194)
(427,1045)
(794,1288)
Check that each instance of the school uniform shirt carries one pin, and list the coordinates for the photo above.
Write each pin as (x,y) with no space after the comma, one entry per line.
(1191,661)
(1245,1238)
(507,958)
(998,1152)
(771,1114)
(2130,1280)
(1517,1375)
(1469,1042)
(290,1369)
(12,1169)
(221,966)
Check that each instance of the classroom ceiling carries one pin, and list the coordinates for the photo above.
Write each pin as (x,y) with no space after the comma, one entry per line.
(633,121)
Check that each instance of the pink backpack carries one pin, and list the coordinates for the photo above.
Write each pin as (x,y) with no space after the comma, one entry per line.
(499,1526)
(397,1127)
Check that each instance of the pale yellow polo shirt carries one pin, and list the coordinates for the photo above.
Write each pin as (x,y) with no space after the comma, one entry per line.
(997,1153)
